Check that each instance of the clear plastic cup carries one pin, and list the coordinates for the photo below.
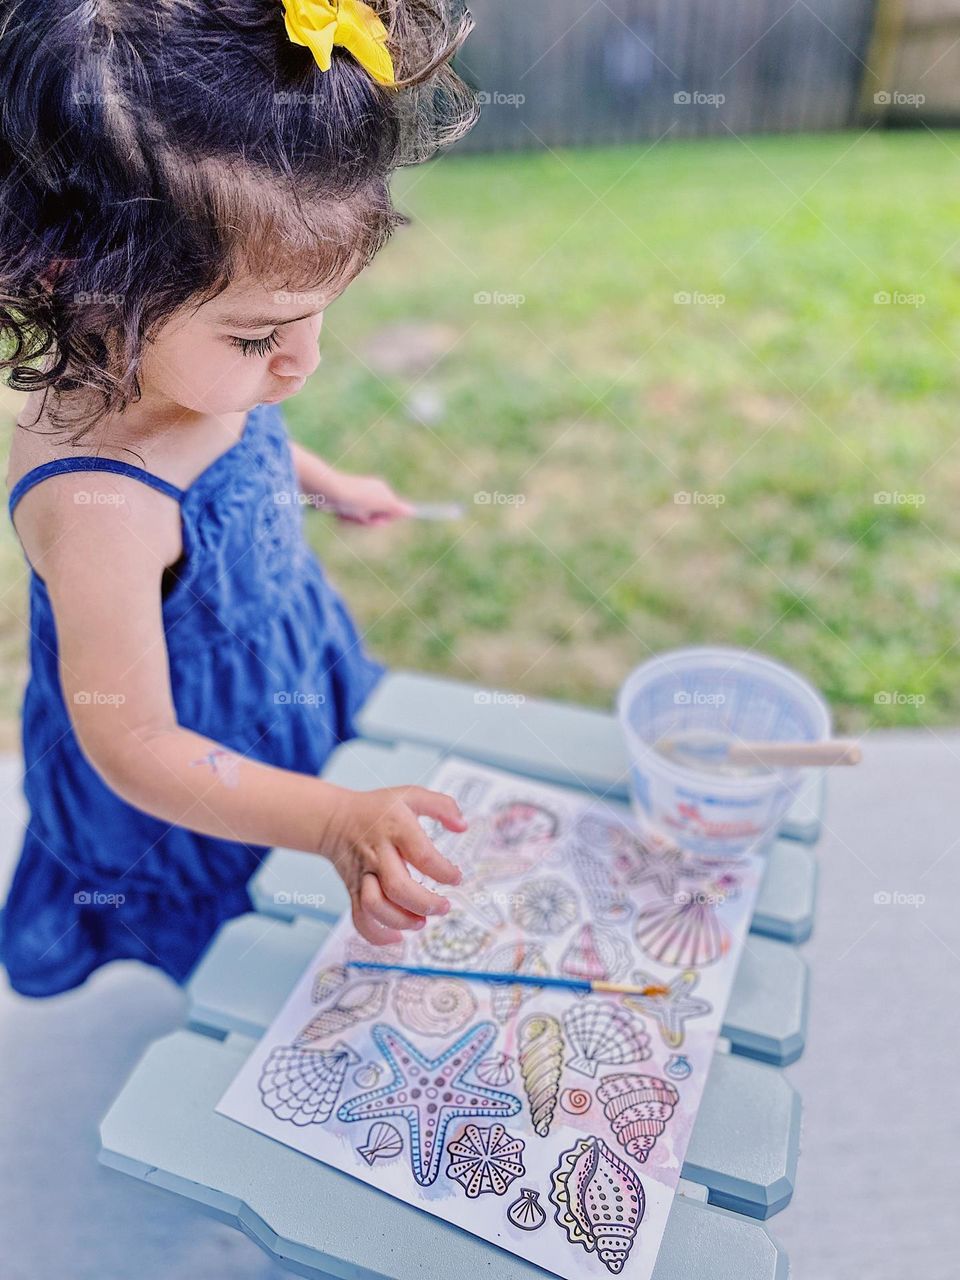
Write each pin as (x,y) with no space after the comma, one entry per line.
(715,691)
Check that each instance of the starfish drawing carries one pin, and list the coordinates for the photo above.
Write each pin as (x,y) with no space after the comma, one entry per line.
(429,1093)
(670,1006)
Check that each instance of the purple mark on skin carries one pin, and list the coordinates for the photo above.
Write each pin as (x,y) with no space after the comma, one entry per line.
(223,764)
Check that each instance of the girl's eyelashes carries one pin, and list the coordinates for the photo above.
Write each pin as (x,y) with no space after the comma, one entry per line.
(257,346)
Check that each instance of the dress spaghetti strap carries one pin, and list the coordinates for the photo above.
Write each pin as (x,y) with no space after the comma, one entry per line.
(89,462)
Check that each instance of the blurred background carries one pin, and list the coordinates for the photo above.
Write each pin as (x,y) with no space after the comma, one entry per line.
(678,323)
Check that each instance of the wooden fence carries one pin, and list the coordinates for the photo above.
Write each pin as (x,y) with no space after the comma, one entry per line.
(567,72)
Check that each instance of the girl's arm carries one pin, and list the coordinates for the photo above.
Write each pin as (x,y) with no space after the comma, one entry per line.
(360,499)
(102,562)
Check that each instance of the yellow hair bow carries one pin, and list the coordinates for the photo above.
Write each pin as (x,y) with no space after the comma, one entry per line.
(320,24)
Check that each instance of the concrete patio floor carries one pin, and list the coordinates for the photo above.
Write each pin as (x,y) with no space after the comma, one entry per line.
(879,1177)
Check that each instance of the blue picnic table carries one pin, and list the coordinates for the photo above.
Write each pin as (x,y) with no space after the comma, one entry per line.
(319,1222)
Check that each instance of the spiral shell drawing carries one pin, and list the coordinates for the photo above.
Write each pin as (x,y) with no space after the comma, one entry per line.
(602,1034)
(546,906)
(638,1108)
(433,1006)
(595,954)
(302,1085)
(485,1160)
(576,1102)
(454,938)
(599,1201)
(496,1071)
(518,957)
(354,1003)
(527,1212)
(541,1063)
(682,931)
(383,1143)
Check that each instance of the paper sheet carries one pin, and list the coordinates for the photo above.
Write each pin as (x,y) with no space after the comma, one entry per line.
(550,1123)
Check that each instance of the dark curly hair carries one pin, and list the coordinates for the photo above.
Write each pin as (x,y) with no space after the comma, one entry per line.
(153,151)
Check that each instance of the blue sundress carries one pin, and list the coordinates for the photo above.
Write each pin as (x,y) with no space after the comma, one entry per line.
(264,658)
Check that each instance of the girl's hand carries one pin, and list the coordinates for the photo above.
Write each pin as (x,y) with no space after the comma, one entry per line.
(370,838)
(364,499)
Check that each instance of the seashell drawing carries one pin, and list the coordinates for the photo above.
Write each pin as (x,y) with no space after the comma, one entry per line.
(327,982)
(354,1003)
(541,1063)
(682,931)
(454,938)
(496,1071)
(367,1075)
(605,894)
(390,953)
(599,1201)
(603,1034)
(514,957)
(383,1143)
(576,1102)
(485,1160)
(433,1006)
(595,954)
(638,1108)
(546,906)
(302,1085)
(519,836)
(527,1212)
(678,1068)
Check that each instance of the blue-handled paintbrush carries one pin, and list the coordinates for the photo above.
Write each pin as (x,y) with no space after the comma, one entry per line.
(515,979)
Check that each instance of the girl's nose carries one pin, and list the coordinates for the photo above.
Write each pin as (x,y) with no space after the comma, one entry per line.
(299,355)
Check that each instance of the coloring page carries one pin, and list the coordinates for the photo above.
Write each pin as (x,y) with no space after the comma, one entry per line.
(551,1123)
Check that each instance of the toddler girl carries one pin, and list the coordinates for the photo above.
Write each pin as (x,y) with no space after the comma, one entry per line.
(186,186)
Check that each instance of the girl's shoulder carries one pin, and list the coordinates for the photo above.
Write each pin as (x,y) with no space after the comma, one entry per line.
(50,503)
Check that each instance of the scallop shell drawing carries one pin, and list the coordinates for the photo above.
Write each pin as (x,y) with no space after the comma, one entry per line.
(595,954)
(527,1212)
(383,1143)
(678,1068)
(520,957)
(496,1071)
(599,1201)
(546,906)
(302,1085)
(454,938)
(433,1006)
(541,1064)
(354,1003)
(682,931)
(638,1109)
(604,1035)
(485,1160)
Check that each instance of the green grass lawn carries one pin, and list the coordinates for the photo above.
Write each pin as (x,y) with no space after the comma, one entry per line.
(784,410)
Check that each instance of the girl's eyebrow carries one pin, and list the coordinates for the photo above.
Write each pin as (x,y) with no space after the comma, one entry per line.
(261,321)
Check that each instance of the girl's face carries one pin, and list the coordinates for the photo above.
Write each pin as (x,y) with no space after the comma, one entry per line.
(248,346)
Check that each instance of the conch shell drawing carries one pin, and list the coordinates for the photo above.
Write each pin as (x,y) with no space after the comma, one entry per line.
(599,1201)
(638,1108)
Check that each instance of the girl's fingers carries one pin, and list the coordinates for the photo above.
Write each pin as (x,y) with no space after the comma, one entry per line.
(375,903)
(369,929)
(400,887)
(422,853)
(435,804)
